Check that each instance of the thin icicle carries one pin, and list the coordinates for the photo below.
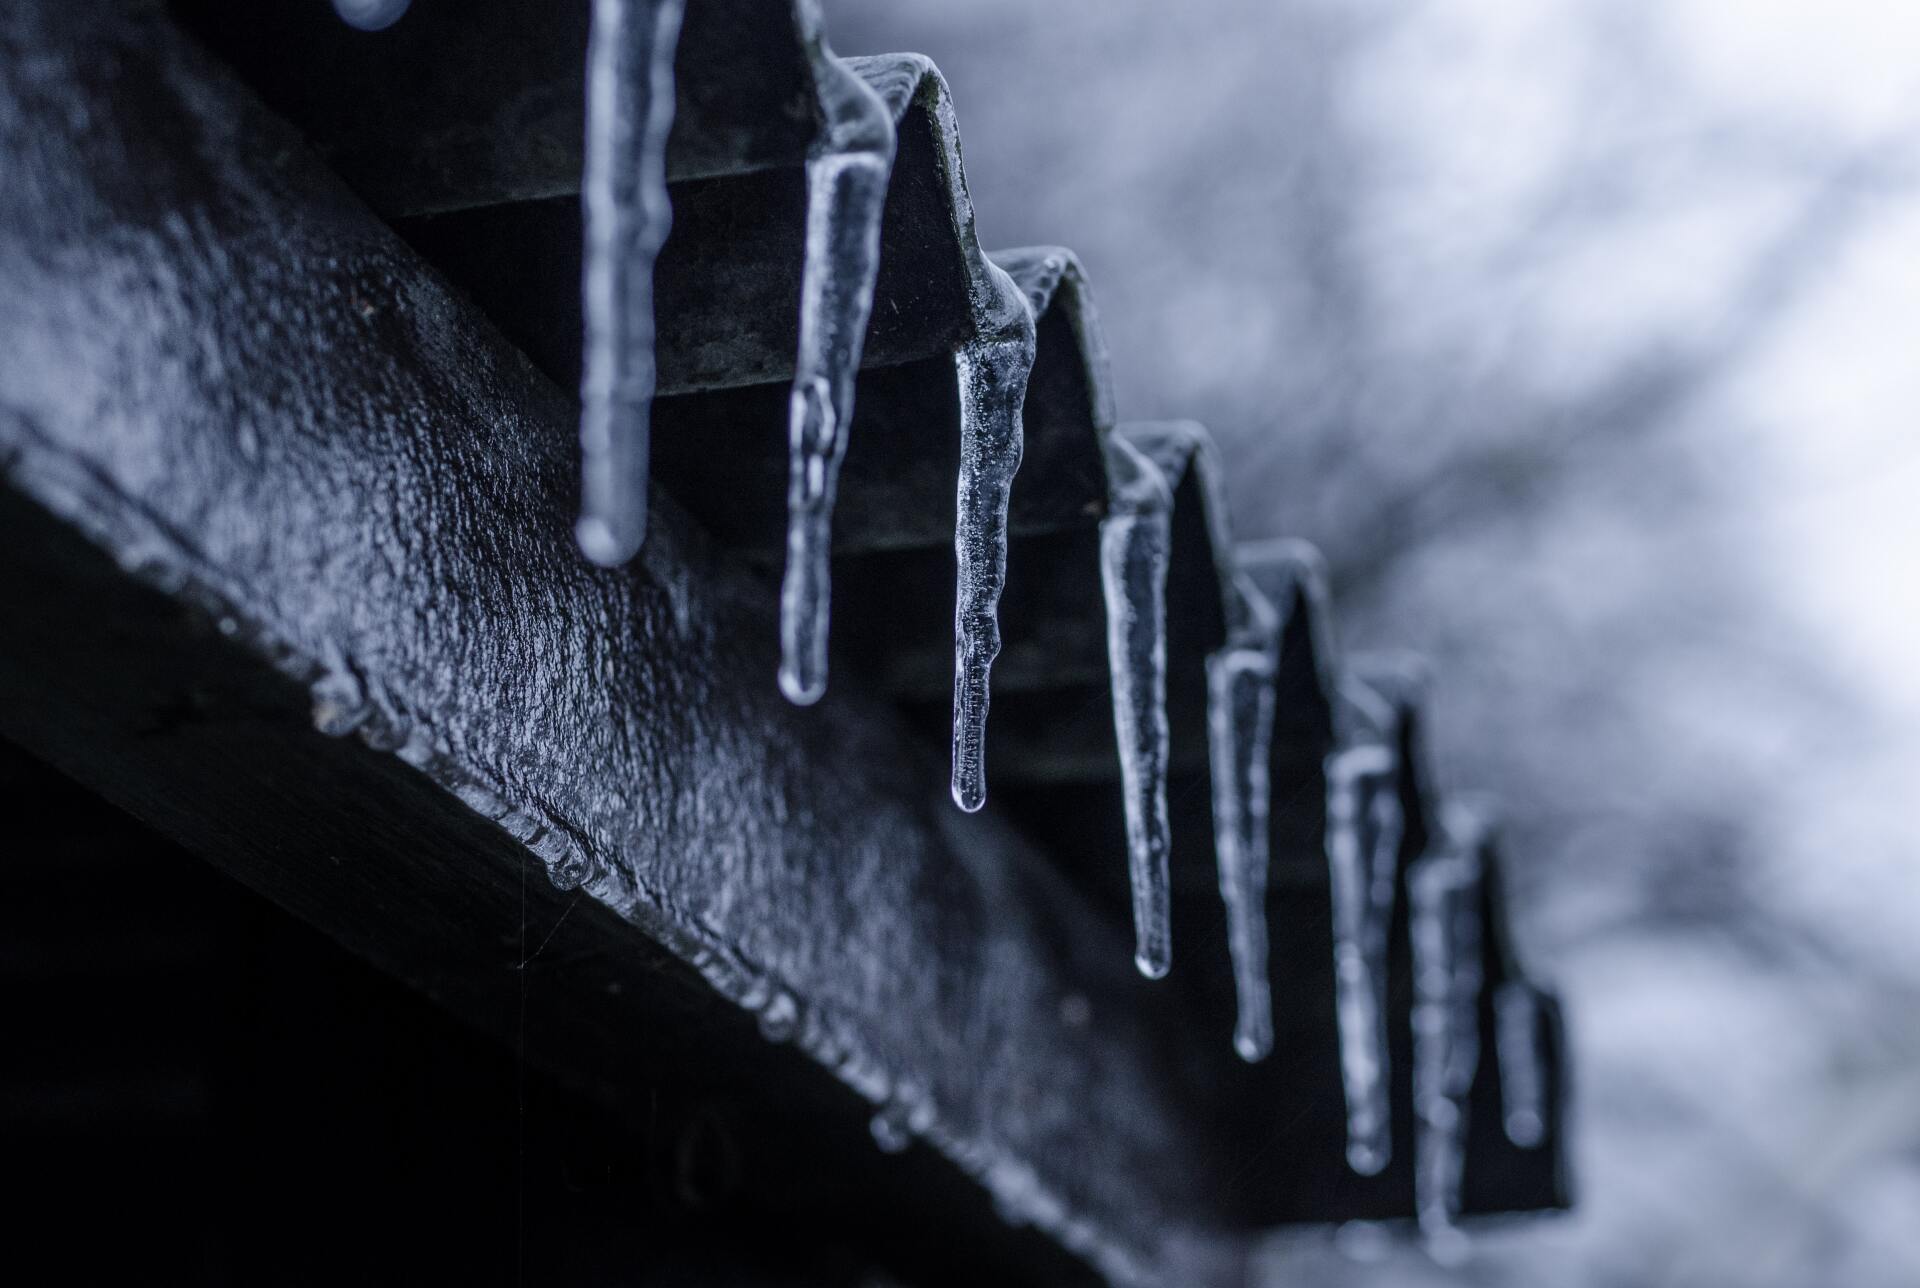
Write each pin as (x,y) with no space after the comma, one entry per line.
(847,176)
(1363,842)
(623,194)
(1240,702)
(1136,543)
(1445,927)
(1516,1038)
(993,373)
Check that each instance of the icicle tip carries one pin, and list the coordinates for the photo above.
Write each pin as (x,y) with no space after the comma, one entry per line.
(971,797)
(603,545)
(1154,963)
(799,689)
(1366,1159)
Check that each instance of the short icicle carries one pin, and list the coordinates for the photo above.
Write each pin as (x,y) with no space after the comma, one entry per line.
(992,371)
(847,174)
(1136,540)
(626,215)
(1240,708)
(1445,929)
(1363,841)
(1516,1038)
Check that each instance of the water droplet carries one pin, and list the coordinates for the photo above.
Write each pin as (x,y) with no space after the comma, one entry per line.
(339,703)
(1365,1159)
(891,1130)
(780,1018)
(384,732)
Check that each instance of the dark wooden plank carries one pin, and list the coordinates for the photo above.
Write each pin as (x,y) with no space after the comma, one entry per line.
(264,470)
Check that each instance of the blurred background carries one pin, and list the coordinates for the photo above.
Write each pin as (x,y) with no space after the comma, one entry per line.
(1582,337)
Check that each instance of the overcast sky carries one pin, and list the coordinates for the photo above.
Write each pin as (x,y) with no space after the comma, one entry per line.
(1616,303)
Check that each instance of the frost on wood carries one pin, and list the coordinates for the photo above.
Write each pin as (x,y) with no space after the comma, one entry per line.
(1136,540)
(847,174)
(1522,1077)
(626,215)
(992,371)
(1444,890)
(1363,844)
(1240,709)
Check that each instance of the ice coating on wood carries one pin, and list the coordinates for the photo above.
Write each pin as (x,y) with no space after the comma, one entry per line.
(1445,929)
(1363,842)
(603,799)
(1136,544)
(992,371)
(626,215)
(1290,572)
(1516,1037)
(1240,708)
(847,176)
(1054,281)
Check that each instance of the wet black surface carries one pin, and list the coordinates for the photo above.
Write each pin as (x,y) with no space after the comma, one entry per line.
(362,469)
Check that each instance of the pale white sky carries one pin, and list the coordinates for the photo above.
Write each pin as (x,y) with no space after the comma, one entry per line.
(1748,1113)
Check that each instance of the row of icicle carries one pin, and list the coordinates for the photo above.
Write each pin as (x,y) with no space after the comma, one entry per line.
(627,216)
(630,97)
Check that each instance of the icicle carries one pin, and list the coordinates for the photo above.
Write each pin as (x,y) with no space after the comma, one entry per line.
(1516,1038)
(1136,540)
(623,195)
(1363,842)
(1240,701)
(847,177)
(993,372)
(1445,926)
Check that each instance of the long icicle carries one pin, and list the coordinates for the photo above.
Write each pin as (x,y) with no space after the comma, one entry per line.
(1240,706)
(1516,1039)
(1363,837)
(992,372)
(1445,929)
(1385,828)
(626,214)
(847,176)
(1136,540)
